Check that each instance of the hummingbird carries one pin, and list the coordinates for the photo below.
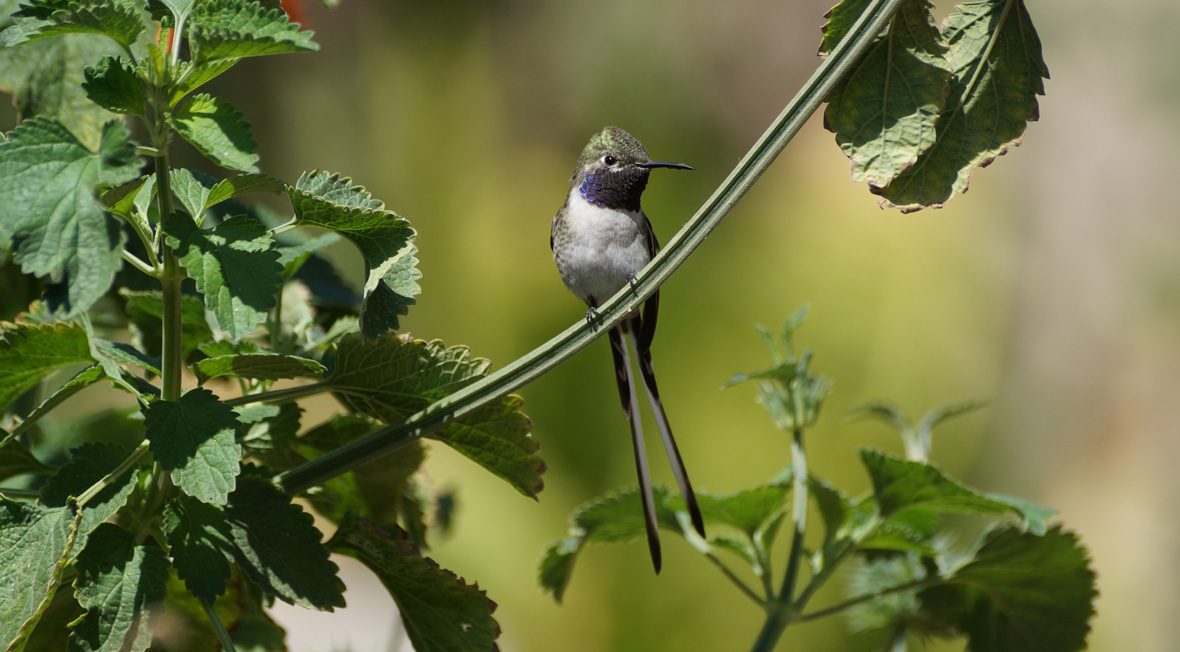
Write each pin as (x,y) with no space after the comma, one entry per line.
(600,240)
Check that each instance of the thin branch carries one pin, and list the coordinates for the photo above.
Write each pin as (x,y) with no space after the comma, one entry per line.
(139,264)
(109,479)
(852,602)
(285,394)
(831,72)
(227,643)
(737,581)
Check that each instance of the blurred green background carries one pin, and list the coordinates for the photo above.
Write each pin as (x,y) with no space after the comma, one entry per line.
(1051,290)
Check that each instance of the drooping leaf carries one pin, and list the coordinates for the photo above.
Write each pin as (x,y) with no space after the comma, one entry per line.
(28,353)
(883,113)
(997,72)
(55,225)
(35,544)
(201,545)
(613,518)
(395,376)
(193,438)
(262,366)
(1022,593)
(146,310)
(90,463)
(117,19)
(441,611)
(277,546)
(113,84)
(900,484)
(234,265)
(118,584)
(385,240)
(232,29)
(45,77)
(218,131)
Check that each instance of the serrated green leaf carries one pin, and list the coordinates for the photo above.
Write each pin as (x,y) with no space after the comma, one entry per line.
(834,507)
(746,510)
(243,184)
(192,75)
(260,366)
(118,20)
(1034,517)
(118,584)
(277,546)
(883,114)
(395,376)
(192,189)
(231,29)
(613,518)
(45,80)
(385,240)
(90,463)
(28,353)
(292,257)
(201,546)
(997,73)
(1022,593)
(35,543)
(441,611)
(56,226)
(193,438)
(234,265)
(218,131)
(900,484)
(114,85)
(146,310)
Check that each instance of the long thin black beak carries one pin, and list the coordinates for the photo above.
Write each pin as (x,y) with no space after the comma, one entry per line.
(665,164)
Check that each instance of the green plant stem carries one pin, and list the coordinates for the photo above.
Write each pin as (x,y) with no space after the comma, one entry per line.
(110,478)
(13,492)
(732,577)
(831,72)
(139,264)
(285,394)
(915,585)
(227,643)
(780,611)
(277,323)
(55,399)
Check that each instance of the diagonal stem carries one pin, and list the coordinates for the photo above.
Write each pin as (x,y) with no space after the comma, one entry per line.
(526,369)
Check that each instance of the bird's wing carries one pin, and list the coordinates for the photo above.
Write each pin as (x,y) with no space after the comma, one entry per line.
(651,307)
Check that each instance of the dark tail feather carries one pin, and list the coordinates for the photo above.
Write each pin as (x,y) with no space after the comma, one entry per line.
(630,402)
(657,406)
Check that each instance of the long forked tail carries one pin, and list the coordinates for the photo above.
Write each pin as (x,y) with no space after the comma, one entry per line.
(643,349)
(630,400)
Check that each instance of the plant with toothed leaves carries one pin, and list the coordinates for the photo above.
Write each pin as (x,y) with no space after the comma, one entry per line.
(183,511)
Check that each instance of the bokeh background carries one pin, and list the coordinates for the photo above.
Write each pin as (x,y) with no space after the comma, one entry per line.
(1051,290)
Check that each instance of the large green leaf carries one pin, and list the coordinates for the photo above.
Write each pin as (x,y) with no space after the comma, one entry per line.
(231,29)
(118,584)
(113,84)
(90,463)
(193,438)
(55,225)
(395,376)
(901,484)
(218,131)
(1021,593)
(28,353)
(234,265)
(278,547)
(883,113)
(441,612)
(262,366)
(385,240)
(45,78)
(997,73)
(201,545)
(116,19)
(35,544)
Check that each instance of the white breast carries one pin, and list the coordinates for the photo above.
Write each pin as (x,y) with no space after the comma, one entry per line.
(606,248)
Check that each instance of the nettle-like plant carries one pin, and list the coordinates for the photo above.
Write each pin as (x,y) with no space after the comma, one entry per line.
(1017,583)
(172,523)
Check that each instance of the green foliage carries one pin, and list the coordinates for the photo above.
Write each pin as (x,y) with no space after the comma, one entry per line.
(259,366)
(71,242)
(146,310)
(118,20)
(28,353)
(201,546)
(440,610)
(114,84)
(916,133)
(232,29)
(90,463)
(34,543)
(194,439)
(218,131)
(118,584)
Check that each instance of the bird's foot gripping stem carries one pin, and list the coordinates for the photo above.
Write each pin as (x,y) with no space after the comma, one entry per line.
(592,318)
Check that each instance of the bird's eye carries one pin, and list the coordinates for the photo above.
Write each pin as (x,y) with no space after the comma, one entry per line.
(609,160)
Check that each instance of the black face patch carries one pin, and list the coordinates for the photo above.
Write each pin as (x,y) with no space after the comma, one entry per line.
(619,188)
